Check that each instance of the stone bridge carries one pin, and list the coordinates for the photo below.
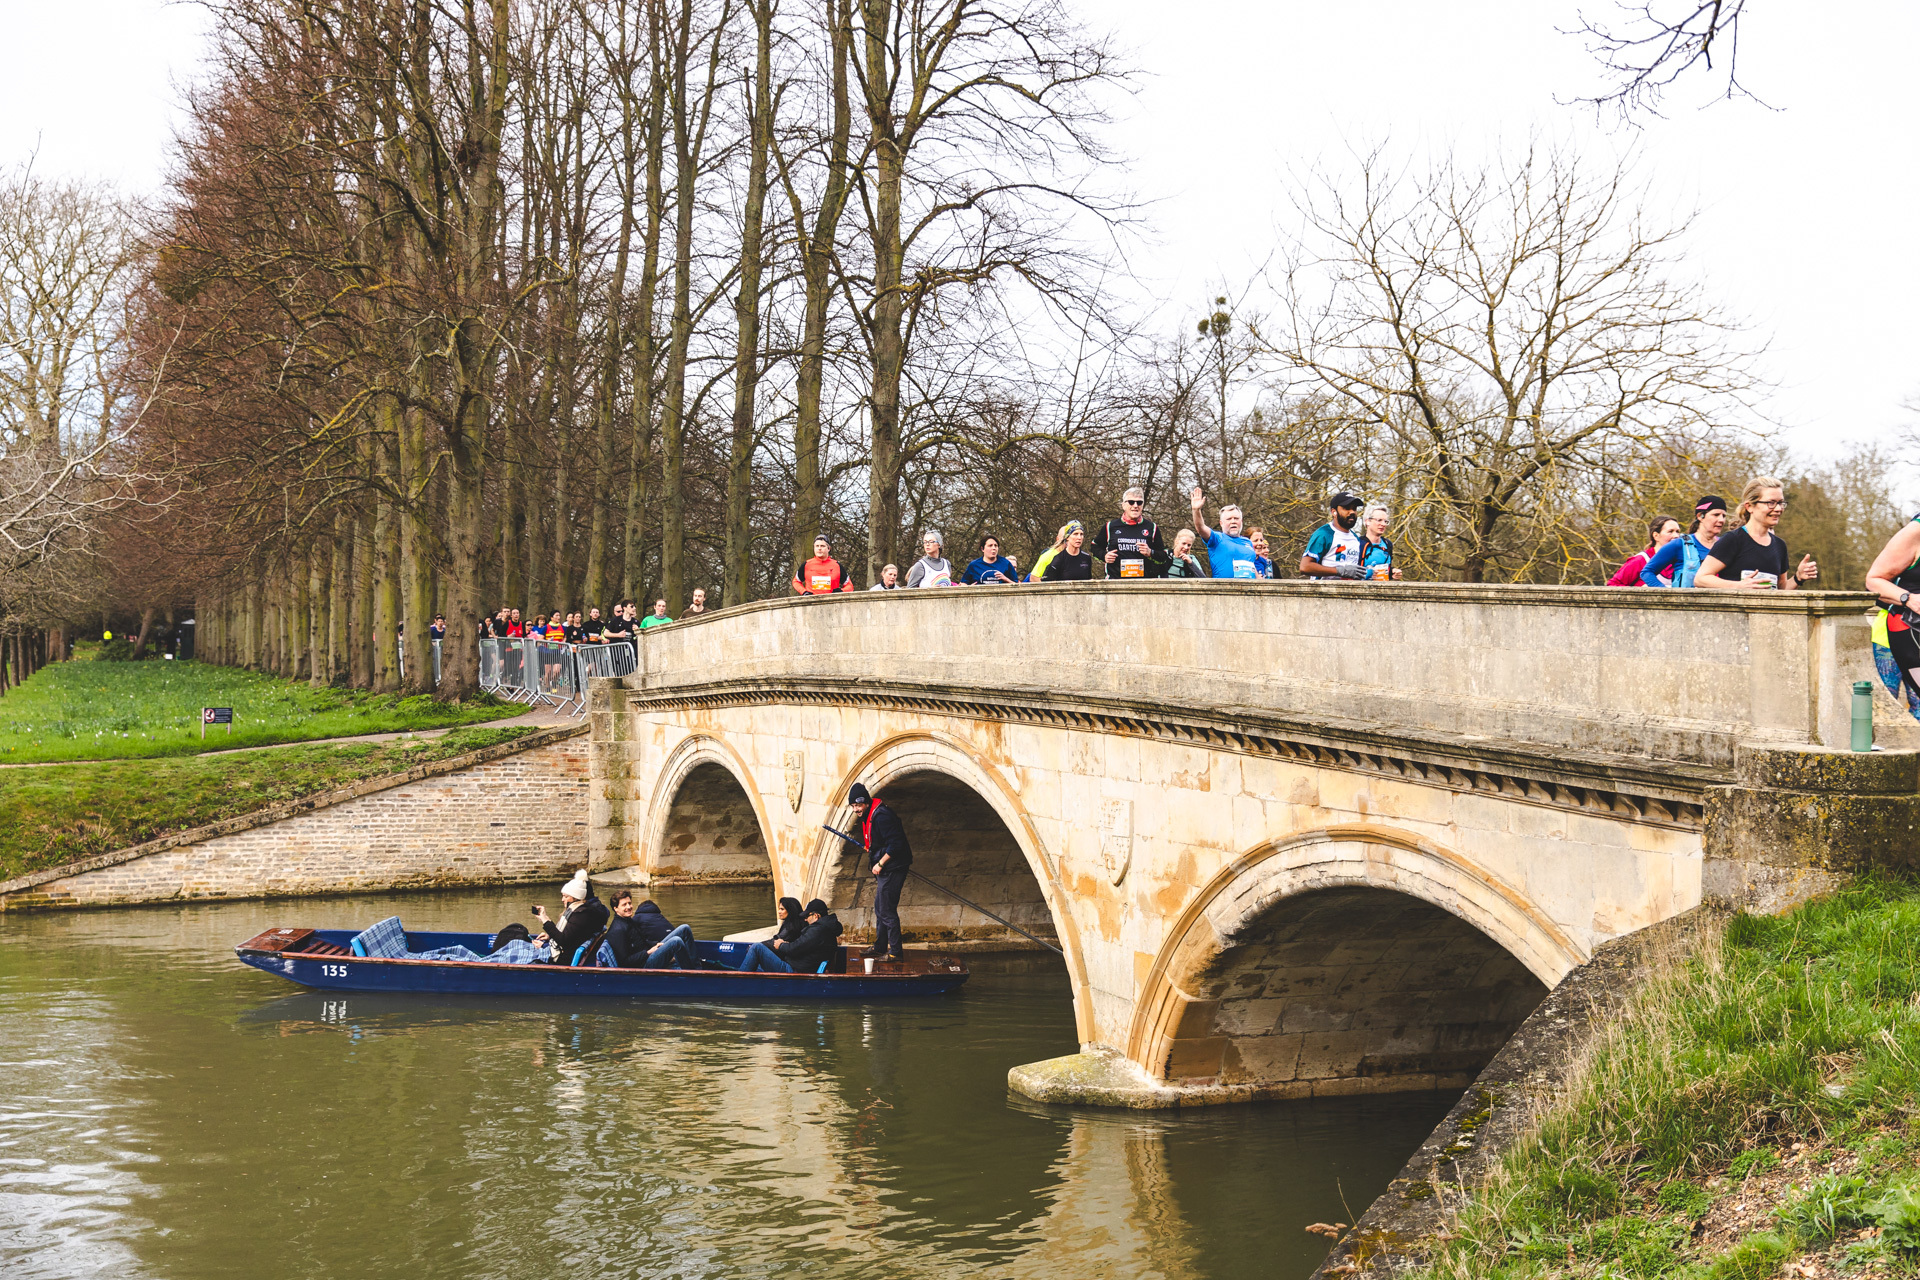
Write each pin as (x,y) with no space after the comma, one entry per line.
(1292,838)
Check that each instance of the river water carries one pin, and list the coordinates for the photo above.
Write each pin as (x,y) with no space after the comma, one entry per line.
(166,1112)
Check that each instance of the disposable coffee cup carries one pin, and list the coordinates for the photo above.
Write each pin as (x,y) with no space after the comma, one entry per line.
(869,964)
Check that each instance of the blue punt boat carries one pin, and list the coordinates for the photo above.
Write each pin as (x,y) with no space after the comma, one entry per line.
(321,958)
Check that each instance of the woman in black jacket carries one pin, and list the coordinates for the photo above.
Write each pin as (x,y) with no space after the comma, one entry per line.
(815,943)
(582,918)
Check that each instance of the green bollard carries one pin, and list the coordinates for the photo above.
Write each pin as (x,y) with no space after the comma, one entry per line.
(1863,715)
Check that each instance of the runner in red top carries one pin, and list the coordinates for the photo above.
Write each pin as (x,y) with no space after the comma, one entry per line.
(822,575)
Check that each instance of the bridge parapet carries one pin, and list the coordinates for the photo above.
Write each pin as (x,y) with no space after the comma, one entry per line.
(1621,675)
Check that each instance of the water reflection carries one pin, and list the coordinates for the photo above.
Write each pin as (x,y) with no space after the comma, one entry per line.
(173,1114)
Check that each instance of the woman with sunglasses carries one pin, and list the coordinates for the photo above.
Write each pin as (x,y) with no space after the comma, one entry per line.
(1754,557)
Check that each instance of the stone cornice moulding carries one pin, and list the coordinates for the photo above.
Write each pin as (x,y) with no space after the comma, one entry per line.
(1649,792)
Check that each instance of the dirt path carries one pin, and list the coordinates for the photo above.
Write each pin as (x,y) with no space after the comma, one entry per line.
(541,718)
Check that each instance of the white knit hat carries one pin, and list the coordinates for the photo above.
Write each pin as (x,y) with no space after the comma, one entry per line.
(576,888)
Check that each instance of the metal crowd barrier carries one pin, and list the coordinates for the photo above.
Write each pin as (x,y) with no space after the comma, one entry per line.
(548,672)
(401,647)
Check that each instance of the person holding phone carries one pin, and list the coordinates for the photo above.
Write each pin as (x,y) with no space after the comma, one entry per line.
(582,917)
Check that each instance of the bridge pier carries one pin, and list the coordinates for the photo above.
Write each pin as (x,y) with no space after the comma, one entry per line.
(1276,866)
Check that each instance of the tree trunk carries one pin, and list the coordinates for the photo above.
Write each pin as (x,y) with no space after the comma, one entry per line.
(817,259)
(889,309)
(746,351)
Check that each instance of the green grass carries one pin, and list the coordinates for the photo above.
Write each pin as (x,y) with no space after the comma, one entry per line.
(1803,1028)
(62,812)
(85,710)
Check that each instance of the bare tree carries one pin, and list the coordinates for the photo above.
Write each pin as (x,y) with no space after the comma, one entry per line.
(1650,46)
(1505,333)
(68,259)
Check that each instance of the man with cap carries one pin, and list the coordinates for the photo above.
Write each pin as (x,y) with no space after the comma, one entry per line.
(886,845)
(822,575)
(1334,549)
(582,917)
(1676,563)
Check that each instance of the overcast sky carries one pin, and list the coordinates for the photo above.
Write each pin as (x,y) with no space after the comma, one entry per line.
(1807,212)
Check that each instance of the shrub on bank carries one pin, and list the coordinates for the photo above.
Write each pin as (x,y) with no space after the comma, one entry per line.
(1753,1103)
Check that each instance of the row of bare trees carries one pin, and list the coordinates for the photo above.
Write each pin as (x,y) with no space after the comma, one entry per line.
(552,303)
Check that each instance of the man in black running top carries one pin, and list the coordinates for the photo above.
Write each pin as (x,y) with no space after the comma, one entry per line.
(1131,546)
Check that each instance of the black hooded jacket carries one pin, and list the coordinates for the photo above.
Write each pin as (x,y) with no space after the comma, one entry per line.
(651,923)
(585,923)
(815,943)
(792,927)
(885,836)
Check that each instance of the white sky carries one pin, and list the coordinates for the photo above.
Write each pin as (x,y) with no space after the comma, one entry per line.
(1807,225)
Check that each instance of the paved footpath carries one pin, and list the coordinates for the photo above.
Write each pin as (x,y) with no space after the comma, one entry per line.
(540,718)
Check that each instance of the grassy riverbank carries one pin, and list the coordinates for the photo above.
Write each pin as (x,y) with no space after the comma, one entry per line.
(1756,1113)
(62,812)
(85,710)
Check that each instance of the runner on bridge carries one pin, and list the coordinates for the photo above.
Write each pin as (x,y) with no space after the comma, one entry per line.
(886,846)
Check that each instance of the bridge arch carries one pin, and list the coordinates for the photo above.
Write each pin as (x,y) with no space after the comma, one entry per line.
(706,822)
(977,799)
(1347,960)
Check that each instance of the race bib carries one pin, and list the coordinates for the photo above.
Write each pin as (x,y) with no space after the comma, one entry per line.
(1755,575)
(1133,568)
(822,582)
(1245,569)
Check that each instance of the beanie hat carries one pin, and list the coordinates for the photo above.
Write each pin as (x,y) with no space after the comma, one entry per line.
(576,888)
(859,794)
(816,908)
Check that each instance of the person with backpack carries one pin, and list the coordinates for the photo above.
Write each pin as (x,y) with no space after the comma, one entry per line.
(1376,548)
(1677,563)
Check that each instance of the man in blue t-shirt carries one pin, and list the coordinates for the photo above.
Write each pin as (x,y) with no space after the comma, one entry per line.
(1228,554)
(1334,549)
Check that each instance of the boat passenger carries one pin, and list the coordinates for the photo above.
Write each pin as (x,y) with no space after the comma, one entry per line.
(625,938)
(805,953)
(582,917)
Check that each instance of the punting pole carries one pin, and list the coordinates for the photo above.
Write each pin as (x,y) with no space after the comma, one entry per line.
(950,893)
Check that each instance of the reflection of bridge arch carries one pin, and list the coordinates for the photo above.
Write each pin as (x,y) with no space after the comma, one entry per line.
(945,771)
(705,821)
(1353,959)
